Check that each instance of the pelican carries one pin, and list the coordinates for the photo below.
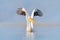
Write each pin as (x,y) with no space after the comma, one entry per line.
(30,19)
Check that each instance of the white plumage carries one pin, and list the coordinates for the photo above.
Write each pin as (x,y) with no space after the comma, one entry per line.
(29,19)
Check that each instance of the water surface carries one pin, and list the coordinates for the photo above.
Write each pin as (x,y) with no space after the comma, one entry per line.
(16,32)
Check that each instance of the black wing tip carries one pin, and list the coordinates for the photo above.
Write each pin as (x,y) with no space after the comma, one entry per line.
(38,13)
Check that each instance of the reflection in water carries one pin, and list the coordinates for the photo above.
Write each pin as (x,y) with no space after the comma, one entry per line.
(30,36)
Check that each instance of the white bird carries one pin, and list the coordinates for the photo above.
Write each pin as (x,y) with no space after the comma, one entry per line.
(30,19)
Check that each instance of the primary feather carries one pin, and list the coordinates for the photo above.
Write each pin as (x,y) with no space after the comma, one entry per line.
(36,12)
(21,11)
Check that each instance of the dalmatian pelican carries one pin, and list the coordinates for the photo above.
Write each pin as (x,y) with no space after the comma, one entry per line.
(30,19)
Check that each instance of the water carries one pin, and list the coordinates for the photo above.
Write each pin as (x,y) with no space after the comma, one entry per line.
(16,32)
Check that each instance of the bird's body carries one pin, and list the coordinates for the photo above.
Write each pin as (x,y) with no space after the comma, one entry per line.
(30,19)
(30,22)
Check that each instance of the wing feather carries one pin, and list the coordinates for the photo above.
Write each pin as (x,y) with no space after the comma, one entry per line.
(36,12)
(21,11)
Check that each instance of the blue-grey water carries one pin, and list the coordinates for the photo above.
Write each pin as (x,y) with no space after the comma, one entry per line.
(17,32)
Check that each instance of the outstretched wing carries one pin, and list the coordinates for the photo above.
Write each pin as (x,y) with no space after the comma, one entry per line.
(21,11)
(36,12)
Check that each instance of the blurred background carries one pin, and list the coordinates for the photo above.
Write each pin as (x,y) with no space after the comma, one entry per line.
(50,9)
(10,28)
